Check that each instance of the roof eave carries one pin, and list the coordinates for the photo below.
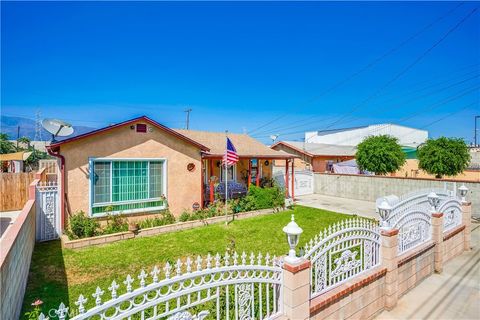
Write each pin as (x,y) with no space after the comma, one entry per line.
(55,146)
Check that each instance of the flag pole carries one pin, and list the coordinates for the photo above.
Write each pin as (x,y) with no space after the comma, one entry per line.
(226,177)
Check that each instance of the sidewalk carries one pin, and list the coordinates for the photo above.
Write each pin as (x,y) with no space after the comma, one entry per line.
(453,294)
(337,204)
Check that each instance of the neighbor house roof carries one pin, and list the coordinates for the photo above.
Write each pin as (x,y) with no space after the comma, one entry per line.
(16,156)
(142,118)
(318,149)
(246,146)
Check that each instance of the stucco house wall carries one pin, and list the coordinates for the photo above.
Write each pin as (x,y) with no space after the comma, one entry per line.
(183,186)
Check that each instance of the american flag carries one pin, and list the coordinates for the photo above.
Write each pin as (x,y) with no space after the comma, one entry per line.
(231,156)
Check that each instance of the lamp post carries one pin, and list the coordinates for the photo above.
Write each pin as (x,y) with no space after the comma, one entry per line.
(293,231)
(463,192)
(433,199)
(384,210)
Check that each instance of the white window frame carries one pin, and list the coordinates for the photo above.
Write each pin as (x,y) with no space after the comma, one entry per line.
(91,160)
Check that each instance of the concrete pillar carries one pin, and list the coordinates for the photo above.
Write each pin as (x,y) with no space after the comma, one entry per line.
(437,237)
(467,221)
(296,290)
(389,256)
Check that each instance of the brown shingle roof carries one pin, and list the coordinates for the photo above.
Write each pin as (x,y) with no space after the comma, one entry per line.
(246,146)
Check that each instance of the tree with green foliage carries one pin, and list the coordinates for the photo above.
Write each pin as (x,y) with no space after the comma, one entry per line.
(380,154)
(23,141)
(443,156)
(6,146)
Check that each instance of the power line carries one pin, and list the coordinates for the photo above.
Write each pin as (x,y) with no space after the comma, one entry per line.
(429,108)
(406,69)
(368,66)
(260,134)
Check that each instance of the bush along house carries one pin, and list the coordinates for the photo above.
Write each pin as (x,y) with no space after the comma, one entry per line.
(136,167)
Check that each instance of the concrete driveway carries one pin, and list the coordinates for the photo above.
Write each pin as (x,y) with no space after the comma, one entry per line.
(453,294)
(337,204)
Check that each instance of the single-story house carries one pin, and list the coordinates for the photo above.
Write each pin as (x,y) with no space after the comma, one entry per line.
(318,157)
(138,166)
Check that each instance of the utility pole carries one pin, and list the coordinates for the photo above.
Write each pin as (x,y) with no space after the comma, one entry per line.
(188,117)
(38,127)
(18,135)
(476,131)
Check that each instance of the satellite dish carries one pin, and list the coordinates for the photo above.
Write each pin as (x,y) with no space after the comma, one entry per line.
(57,128)
(274,137)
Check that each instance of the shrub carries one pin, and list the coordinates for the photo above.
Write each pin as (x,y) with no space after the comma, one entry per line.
(164,218)
(380,154)
(82,226)
(115,223)
(443,156)
(185,216)
(261,198)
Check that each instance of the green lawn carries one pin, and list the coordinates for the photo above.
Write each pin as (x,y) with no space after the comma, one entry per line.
(58,275)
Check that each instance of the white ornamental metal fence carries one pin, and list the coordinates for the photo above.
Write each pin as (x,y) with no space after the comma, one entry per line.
(341,252)
(452,213)
(213,287)
(411,214)
(47,211)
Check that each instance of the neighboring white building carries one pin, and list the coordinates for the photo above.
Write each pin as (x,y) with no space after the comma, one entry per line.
(353,136)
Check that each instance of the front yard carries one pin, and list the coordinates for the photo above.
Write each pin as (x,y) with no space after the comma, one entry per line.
(61,275)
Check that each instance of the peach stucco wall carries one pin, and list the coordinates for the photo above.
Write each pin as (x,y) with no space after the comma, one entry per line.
(410,169)
(183,187)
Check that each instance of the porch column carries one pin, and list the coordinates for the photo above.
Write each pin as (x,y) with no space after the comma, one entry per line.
(212,186)
(287,194)
(202,186)
(249,180)
(257,179)
(293,179)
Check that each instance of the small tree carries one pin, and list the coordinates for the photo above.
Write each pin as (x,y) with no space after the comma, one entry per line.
(6,146)
(380,154)
(443,156)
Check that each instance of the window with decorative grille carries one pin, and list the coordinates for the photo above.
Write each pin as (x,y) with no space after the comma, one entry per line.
(127,185)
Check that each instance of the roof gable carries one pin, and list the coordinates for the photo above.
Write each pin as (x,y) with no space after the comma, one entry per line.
(128,122)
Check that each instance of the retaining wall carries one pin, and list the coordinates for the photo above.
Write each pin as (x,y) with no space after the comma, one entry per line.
(370,188)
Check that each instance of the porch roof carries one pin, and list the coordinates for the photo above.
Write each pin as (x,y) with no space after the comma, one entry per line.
(246,146)
(318,149)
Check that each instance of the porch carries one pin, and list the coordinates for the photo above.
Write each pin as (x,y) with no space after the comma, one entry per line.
(257,171)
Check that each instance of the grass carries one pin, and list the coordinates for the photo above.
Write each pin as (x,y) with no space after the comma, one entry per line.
(61,275)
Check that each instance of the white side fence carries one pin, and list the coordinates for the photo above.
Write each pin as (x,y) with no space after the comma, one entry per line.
(47,211)
(251,286)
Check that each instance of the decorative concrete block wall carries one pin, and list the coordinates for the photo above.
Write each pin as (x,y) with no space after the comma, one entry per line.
(453,243)
(414,267)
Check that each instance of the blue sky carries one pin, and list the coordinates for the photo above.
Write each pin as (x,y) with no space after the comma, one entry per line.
(242,65)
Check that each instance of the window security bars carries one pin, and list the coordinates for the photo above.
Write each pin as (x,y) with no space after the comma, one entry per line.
(341,252)
(229,287)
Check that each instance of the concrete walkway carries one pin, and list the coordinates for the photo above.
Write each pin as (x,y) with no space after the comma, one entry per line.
(337,204)
(453,294)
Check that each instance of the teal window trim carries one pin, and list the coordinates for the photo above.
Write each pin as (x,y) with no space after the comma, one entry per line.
(140,179)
